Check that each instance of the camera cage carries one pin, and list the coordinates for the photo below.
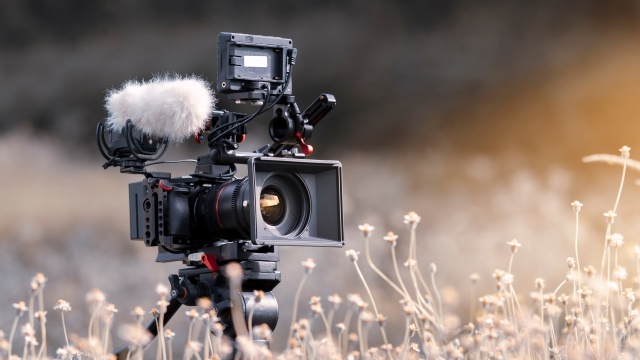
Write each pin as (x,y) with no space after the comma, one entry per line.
(132,150)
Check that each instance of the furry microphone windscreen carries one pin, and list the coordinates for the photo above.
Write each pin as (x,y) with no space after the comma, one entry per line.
(167,106)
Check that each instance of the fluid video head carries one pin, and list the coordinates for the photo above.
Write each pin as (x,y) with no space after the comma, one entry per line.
(286,199)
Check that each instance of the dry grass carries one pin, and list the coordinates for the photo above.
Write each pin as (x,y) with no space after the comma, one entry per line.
(591,313)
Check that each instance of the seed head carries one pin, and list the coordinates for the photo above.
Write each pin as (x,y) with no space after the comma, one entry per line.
(40,279)
(610,216)
(571,263)
(335,299)
(168,334)
(192,314)
(624,152)
(616,240)
(412,219)
(62,305)
(138,313)
(341,328)
(162,290)
(262,331)
(155,313)
(234,272)
(577,205)
(410,263)
(136,335)
(309,265)
(27,330)
(539,282)
(590,271)
(433,268)
(514,244)
(20,307)
(474,278)
(352,255)
(381,319)
(630,295)
(41,316)
(258,295)
(391,238)
(620,273)
(162,304)
(204,303)
(366,230)
(95,297)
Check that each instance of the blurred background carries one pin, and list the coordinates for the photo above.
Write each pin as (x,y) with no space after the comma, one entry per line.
(475,115)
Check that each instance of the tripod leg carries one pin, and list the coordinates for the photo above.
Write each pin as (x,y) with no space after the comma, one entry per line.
(123,351)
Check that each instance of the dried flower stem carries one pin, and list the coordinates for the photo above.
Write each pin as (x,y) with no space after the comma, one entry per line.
(295,304)
(64,328)
(13,332)
(373,303)
(577,255)
(378,271)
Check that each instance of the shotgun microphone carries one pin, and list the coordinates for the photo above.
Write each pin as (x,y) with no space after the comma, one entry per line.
(167,106)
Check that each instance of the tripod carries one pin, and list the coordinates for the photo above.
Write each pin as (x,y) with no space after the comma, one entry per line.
(208,278)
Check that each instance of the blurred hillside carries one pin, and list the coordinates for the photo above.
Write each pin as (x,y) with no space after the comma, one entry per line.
(473,114)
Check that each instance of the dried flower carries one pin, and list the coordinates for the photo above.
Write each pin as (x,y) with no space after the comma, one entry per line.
(381,319)
(514,244)
(138,313)
(40,279)
(20,307)
(335,299)
(136,335)
(391,238)
(168,334)
(539,282)
(507,279)
(234,272)
(110,309)
(412,219)
(41,316)
(309,265)
(155,313)
(162,290)
(366,230)
(27,330)
(204,303)
(341,327)
(162,304)
(624,151)
(610,216)
(433,268)
(571,263)
(62,305)
(616,240)
(314,300)
(577,205)
(352,255)
(590,271)
(474,278)
(192,314)
(95,296)
(620,273)
(262,331)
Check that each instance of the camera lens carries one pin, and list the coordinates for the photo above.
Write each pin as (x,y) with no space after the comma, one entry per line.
(272,206)
(285,204)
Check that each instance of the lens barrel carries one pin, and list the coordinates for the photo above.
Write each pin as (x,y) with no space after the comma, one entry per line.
(223,210)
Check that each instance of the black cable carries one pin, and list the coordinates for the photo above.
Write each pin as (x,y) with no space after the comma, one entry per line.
(263,109)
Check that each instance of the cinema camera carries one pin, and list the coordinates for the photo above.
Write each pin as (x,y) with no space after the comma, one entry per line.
(211,218)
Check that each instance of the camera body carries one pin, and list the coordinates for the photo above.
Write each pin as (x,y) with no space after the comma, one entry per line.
(186,213)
